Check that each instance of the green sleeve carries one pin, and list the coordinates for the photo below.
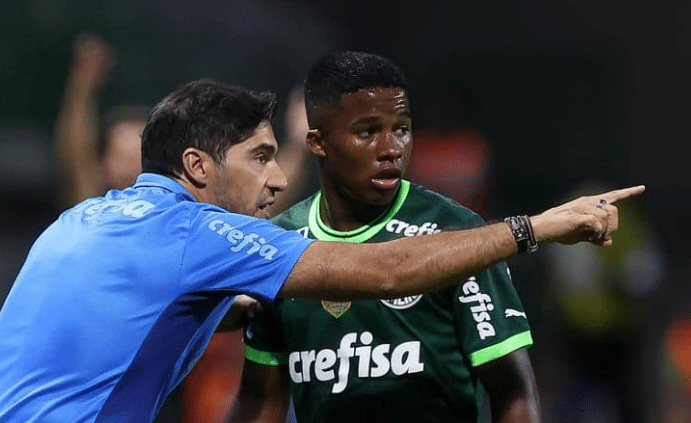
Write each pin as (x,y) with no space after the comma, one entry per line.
(263,337)
(489,317)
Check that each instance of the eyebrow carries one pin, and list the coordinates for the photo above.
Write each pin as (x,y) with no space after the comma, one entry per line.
(265,146)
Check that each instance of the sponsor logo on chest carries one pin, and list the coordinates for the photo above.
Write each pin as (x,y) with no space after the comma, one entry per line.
(365,359)
(407,229)
(481,308)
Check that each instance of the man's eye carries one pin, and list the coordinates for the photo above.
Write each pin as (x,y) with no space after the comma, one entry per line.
(262,159)
(366,133)
(403,130)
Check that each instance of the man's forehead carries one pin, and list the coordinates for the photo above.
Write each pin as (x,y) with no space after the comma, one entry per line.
(262,137)
(374,92)
(364,97)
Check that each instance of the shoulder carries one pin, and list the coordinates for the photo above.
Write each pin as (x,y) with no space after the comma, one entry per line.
(449,212)
(296,216)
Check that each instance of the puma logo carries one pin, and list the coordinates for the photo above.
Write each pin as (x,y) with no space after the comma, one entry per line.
(514,313)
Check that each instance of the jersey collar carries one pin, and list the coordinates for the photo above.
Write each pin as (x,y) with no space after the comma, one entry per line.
(361,234)
(162,181)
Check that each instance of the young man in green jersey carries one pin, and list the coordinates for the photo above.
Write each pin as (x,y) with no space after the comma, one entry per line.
(416,358)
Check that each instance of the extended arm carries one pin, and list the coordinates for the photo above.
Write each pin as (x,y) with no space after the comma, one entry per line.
(264,395)
(76,132)
(510,384)
(340,271)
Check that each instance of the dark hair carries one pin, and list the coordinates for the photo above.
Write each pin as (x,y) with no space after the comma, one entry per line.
(204,114)
(346,72)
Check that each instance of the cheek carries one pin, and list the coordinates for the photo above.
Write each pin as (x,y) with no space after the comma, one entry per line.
(355,152)
(406,157)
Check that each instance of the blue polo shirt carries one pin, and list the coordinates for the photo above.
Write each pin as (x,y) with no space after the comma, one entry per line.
(119,297)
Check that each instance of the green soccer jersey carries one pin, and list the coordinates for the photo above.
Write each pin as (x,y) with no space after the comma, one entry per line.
(397,360)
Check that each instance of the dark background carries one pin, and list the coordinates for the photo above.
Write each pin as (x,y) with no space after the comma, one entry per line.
(565,92)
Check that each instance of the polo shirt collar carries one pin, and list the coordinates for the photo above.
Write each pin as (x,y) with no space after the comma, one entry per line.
(162,181)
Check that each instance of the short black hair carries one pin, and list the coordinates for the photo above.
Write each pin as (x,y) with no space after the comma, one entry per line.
(346,72)
(204,114)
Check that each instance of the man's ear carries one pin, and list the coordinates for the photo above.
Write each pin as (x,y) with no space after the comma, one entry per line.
(196,165)
(316,142)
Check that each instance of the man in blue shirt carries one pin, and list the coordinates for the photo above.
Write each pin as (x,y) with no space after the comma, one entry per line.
(118,298)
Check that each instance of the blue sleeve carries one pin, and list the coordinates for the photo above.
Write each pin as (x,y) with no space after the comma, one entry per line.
(239,254)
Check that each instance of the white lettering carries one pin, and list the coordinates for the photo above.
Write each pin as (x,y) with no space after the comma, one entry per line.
(485,329)
(307,358)
(364,354)
(267,251)
(405,358)
(371,361)
(381,363)
(213,225)
(252,241)
(225,228)
(411,230)
(293,360)
(235,235)
(137,208)
(130,208)
(401,225)
(323,364)
(480,310)
(407,229)
(423,228)
(345,351)
(248,240)
(391,225)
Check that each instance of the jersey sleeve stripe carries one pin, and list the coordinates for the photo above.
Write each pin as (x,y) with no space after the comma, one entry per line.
(520,340)
(264,357)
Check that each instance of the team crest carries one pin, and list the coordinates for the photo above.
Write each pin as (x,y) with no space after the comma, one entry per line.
(401,303)
(336,309)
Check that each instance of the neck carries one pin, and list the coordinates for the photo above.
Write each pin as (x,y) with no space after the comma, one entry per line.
(193,189)
(342,214)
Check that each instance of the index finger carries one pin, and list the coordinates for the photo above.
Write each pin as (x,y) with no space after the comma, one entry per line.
(620,194)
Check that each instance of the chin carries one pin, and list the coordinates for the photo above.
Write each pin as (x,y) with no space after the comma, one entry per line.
(262,214)
(381,199)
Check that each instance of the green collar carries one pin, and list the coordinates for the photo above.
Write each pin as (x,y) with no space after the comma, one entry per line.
(361,234)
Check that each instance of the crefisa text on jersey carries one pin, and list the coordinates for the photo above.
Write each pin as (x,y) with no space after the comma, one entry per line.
(252,241)
(372,361)
(481,310)
(407,229)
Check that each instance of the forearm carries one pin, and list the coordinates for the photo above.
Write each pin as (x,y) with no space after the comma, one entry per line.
(520,410)
(264,395)
(76,137)
(511,387)
(401,267)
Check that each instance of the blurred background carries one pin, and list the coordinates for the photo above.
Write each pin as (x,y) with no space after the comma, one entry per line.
(517,106)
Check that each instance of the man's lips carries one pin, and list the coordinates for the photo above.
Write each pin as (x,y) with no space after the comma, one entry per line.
(389,183)
(264,208)
(388,179)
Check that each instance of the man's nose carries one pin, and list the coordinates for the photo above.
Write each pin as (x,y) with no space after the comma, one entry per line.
(277,178)
(391,147)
